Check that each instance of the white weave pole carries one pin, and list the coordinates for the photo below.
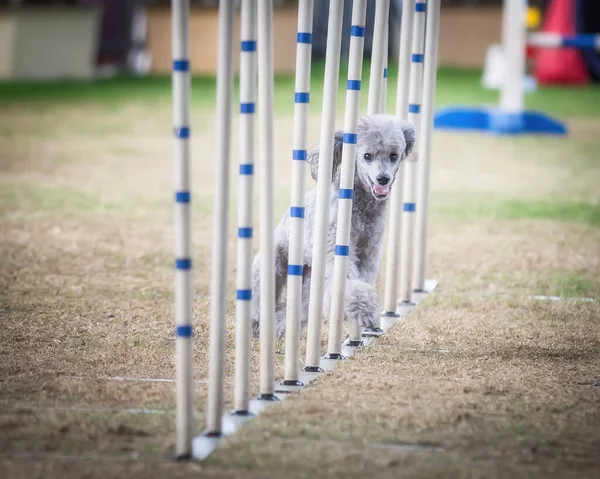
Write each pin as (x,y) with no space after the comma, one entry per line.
(410,167)
(342,239)
(267,242)
(299,154)
(218,291)
(183,240)
(376,100)
(243,333)
(386,35)
(393,247)
(319,253)
(513,41)
(424,165)
(378,75)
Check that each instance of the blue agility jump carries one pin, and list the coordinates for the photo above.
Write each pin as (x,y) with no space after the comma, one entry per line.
(510,117)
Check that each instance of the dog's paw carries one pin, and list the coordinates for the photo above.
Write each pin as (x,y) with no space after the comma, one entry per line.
(368,321)
(255,327)
(280,328)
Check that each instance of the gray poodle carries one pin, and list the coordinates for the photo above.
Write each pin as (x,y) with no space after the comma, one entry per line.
(383,142)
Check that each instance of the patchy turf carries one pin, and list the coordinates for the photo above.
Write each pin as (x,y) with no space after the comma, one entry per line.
(479,381)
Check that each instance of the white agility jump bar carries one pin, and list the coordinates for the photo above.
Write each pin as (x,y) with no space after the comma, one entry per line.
(556,40)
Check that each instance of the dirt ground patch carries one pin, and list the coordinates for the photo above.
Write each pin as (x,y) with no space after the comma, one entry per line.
(479,381)
(466,383)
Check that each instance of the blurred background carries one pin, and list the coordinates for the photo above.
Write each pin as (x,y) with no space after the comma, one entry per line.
(84,39)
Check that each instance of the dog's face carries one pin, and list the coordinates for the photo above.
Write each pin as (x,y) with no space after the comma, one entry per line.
(383,142)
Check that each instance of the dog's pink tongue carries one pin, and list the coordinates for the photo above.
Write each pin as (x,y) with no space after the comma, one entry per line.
(380,190)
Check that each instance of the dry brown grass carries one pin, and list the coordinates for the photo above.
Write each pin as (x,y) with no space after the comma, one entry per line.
(499,386)
(502,388)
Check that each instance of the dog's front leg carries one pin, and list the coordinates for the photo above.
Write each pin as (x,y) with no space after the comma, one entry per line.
(256,296)
(362,303)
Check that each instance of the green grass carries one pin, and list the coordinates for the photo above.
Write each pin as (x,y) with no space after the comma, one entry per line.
(518,209)
(568,284)
(455,87)
(46,199)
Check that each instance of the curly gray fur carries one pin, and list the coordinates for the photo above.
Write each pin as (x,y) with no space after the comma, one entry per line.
(381,137)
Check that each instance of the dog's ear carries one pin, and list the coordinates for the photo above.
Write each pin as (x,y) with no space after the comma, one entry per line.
(338,143)
(313,156)
(409,137)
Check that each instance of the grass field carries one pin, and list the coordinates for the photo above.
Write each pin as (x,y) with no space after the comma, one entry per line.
(480,381)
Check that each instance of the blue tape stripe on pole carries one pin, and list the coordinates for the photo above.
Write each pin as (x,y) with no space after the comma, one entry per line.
(183,331)
(346,194)
(413,108)
(181,65)
(297,212)
(417,57)
(341,250)
(302,97)
(350,138)
(183,263)
(183,132)
(420,7)
(247,107)
(579,41)
(244,232)
(183,197)
(357,31)
(244,294)
(299,155)
(304,38)
(353,85)
(295,269)
(410,207)
(247,169)
(385,73)
(249,46)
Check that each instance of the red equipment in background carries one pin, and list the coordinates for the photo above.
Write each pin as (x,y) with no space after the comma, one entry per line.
(560,65)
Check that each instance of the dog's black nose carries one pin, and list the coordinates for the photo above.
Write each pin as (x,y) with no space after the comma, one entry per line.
(383,179)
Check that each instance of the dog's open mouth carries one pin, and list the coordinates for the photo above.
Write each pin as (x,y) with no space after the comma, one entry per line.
(380,192)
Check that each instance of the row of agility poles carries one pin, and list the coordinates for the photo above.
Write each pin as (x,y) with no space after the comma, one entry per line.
(405,268)
(257,58)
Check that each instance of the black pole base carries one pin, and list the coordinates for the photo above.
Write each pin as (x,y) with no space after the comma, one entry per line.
(291,382)
(390,314)
(242,413)
(313,369)
(408,302)
(213,434)
(419,291)
(368,332)
(183,457)
(267,397)
(337,356)
(356,344)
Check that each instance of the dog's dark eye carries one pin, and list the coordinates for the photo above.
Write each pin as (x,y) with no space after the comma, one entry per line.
(367,157)
(393,157)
